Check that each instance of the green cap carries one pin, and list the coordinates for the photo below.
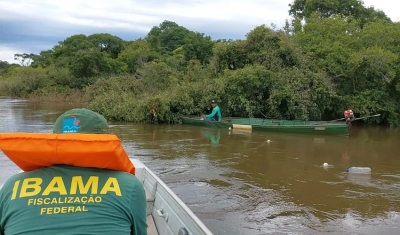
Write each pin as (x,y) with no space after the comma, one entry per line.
(81,121)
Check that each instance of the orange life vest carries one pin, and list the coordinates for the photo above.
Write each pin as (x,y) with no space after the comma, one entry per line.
(31,151)
(348,113)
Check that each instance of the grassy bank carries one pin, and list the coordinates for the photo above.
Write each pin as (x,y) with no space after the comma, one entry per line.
(59,94)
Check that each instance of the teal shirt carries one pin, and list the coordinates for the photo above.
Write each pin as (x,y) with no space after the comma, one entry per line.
(215,112)
(67,200)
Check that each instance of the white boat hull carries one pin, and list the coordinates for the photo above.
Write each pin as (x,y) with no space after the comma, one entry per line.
(171,216)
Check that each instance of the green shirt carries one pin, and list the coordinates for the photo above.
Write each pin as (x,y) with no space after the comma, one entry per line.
(216,113)
(66,200)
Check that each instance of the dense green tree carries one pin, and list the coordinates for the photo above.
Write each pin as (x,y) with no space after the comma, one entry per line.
(246,91)
(327,8)
(107,43)
(156,76)
(342,56)
(72,45)
(167,37)
(198,46)
(136,54)
(229,55)
(92,62)
(4,64)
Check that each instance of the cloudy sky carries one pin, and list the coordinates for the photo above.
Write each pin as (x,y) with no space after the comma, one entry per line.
(31,26)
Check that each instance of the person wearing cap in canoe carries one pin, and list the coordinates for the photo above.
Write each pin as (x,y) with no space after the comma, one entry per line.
(215,114)
(66,199)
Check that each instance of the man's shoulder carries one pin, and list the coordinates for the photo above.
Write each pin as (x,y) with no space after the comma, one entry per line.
(124,176)
(9,184)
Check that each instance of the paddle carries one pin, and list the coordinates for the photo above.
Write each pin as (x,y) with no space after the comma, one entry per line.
(376,115)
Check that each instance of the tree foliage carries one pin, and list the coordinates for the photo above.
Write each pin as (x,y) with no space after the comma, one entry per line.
(327,8)
(342,56)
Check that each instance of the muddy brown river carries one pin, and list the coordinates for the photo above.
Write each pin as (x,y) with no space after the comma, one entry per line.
(241,183)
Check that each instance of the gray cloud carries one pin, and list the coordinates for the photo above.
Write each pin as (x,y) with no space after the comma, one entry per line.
(35,25)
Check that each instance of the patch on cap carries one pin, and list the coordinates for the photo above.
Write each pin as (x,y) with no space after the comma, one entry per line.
(81,121)
(70,124)
(213,101)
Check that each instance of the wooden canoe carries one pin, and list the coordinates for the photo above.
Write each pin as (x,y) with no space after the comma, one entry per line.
(272,125)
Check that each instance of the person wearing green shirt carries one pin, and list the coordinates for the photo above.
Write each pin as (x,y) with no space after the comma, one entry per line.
(215,115)
(68,200)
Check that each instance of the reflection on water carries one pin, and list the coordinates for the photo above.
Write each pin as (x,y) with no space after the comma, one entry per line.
(359,179)
(241,182)
(214,135)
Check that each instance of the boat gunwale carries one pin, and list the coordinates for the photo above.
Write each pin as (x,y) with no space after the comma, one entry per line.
(313,123)
(199,224)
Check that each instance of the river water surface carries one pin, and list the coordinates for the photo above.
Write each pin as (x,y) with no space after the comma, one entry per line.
(256,183)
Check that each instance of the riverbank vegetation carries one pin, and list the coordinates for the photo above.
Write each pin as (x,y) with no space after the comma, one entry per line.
(331,56)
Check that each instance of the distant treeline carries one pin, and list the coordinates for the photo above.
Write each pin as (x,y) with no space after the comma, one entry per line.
(332,56)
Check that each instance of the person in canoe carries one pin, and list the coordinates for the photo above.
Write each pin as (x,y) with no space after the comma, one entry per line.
(349,117)
(215,114)
(76,180)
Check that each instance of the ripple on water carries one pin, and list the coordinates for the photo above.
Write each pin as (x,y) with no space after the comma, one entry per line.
(392,176)
(266,211)
(353,223)
(201,184)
